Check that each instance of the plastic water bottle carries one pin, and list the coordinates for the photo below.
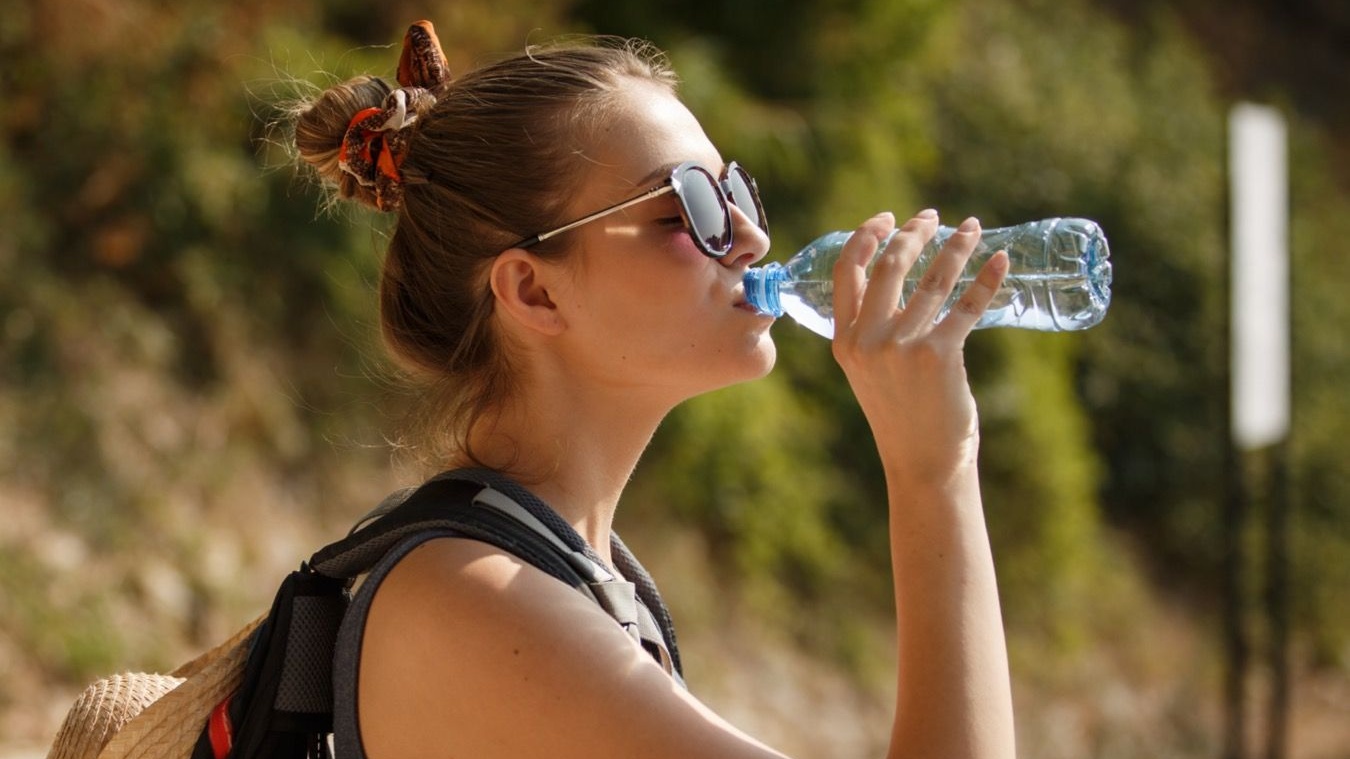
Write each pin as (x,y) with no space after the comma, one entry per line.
(1059,277)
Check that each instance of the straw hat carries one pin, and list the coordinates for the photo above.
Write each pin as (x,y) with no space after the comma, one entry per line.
(150,716)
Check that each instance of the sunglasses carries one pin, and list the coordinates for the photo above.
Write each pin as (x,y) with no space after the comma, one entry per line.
(703,206)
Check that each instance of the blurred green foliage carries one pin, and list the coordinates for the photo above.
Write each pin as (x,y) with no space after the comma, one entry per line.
(1093,443)
(167,271)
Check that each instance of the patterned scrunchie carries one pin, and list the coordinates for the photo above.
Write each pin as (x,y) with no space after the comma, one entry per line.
(376,141)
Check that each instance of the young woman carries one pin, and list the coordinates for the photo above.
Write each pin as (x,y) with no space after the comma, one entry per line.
(566,269)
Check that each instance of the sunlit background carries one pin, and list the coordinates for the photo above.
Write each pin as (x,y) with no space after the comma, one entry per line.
(192,395)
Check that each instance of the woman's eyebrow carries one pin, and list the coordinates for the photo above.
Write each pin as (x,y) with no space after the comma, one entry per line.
(661,172)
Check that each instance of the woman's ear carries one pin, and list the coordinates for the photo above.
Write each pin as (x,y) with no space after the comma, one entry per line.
(521,281)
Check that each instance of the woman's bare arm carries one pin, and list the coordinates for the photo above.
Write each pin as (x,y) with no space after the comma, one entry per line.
(954,695)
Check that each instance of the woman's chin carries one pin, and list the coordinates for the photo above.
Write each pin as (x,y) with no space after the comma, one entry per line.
(760,361)
(768,356)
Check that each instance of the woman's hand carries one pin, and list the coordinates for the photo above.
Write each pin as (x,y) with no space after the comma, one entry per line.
(907,371)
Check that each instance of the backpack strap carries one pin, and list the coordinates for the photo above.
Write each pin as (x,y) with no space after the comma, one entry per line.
(650,602)
(439,504)
(511,518)
(653,607)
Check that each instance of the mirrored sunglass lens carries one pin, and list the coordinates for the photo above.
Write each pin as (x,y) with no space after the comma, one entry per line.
(707,214)
(745,197)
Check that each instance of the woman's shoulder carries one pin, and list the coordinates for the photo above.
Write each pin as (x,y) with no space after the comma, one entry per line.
(469,650)
(459,625)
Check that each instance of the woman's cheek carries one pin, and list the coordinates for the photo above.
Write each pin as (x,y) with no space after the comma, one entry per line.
(682,244)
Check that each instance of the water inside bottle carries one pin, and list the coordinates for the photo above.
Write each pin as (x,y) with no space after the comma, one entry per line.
(1048,302)
(809,304)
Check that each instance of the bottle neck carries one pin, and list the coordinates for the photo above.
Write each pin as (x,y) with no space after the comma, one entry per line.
(761,288)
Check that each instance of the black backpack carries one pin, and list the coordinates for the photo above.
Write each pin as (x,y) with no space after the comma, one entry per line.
(284,707)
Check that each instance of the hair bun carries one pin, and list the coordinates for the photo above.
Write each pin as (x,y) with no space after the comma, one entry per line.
(356,134)
(320,129)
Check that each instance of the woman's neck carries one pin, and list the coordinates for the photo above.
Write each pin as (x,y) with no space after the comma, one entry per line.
(574,448)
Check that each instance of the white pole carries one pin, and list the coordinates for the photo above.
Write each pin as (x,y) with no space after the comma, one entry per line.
(1260,271)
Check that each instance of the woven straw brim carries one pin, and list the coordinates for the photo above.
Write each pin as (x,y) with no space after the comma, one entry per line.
(103,709)
(151,716)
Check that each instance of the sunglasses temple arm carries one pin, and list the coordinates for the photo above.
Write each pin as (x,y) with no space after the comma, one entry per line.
(652,193)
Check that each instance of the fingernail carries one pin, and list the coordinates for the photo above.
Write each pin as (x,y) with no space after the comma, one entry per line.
(969,225)
(928,213)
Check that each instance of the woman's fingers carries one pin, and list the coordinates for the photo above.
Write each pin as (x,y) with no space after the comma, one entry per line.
(864,301)
(884,287)
(935,286)
(968,308)
(850,271)
(870,305)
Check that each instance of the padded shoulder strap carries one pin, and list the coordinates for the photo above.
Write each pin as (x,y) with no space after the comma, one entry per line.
(511,518)
(652,605)
(399,516)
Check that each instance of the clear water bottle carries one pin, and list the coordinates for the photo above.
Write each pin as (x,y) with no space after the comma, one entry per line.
(1059,277)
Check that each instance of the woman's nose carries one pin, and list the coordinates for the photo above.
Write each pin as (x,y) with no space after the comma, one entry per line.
(749,242)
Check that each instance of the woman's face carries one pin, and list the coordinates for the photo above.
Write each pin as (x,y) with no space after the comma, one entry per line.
(645,308)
